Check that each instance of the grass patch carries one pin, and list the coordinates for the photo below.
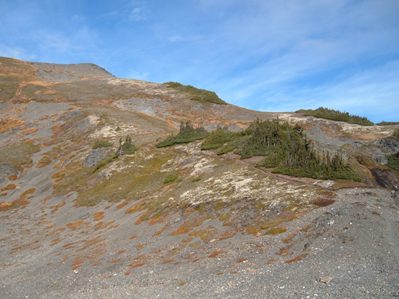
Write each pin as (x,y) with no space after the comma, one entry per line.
(396,134)
(19,155)
(393,161)
(187,134)
(171,178)
(135,182)
(336,115)
(196,94)
(102,143)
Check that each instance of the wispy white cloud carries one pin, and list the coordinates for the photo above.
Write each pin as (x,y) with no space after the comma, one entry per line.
(138,11)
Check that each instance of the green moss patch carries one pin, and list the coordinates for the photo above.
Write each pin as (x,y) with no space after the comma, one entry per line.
(19,155)
(337,116)
(196,94)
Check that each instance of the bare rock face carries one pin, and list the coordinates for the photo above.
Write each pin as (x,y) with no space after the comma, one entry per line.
(69,72)
(95,157)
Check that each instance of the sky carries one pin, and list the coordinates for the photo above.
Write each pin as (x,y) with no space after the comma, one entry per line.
(269,55)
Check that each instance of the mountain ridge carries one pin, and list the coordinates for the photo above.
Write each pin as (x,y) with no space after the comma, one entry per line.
(89,203)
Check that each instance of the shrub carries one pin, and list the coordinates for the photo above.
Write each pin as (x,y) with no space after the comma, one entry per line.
(101,143)
(336,115)
(196,94)
(126,147)
(396,134)
(187,134)
(393,161)
(218,138)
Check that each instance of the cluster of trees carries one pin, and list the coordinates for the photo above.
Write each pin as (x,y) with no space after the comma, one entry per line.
(285,148)
(336,115)
(288,151)
(187,133)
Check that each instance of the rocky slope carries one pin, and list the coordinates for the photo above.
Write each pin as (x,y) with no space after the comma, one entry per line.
(76,222)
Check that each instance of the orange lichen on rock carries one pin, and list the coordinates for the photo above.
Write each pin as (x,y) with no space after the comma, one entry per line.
(56,207)
(43,162)
(122,204)
(9,124)
(135,208)
(188,225)
(98,216)
(12,177)
(29,131)
(22,201)
(296,259)
(76,224)
(9,187)
(215,253)
(77,263)
(227,234)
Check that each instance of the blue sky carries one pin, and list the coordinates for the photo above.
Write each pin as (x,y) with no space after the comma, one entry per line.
(264,55)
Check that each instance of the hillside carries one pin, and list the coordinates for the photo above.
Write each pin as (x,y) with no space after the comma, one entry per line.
(91,207)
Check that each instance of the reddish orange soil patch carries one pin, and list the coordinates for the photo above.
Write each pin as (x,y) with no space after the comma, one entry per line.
(77,263)
(69,245)
(290,237)
(21,202)
(5,206)
(206,235)
(140,246)
(56,207)
(121,251)
(98,216)
(296,259)
(155,220)
(9,124)
(122,204)
(161,230)
(135,208)
(241,260)
(76,224)
(12,177)
(323,202)
(227,235)
(29,191)
(43,162)
(217,252)
(55,241)
(104,225)
(283,251)
(188,225)
(9,187)
(58,176)
(91,242)
(143,217)
(181,230)
(29,131)
(139,262)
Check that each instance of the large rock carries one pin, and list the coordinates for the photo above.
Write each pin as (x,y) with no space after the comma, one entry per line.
(95,157)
